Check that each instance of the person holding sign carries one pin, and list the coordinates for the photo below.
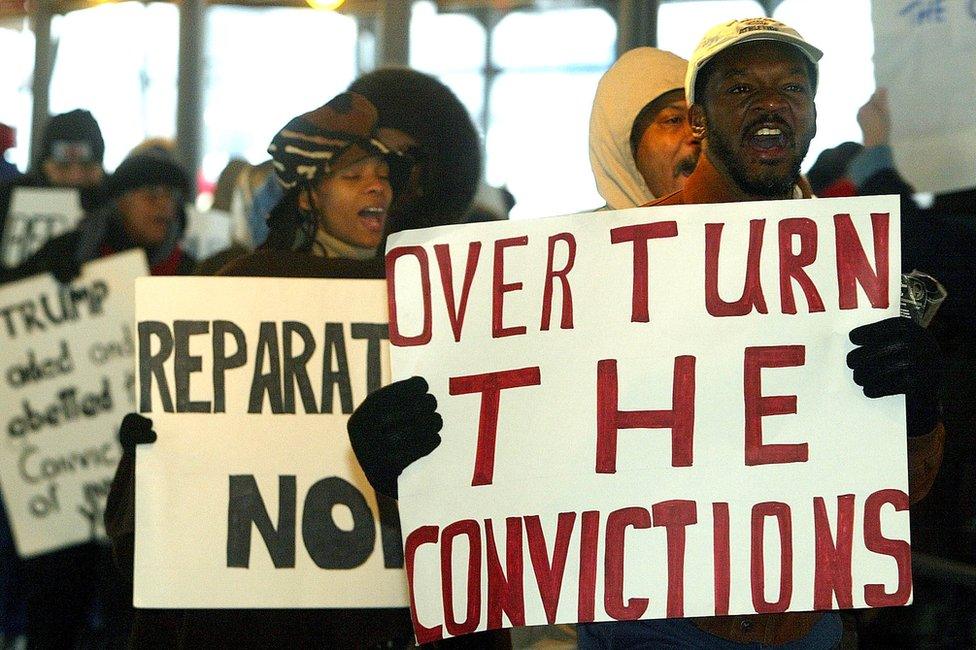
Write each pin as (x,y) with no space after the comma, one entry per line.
(750,85)
(141,206)
(339,174)
(63,180)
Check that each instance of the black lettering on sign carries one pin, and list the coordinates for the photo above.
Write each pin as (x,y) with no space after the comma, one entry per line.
(245,507)
(71,404)
(92,510)
(295,371)
(36,370)
(41,505)
(373,333)
(184,364)
(37,315)
(151,365)
(336,345)
(329,546)
(222,362)
(270,382)
(103,352)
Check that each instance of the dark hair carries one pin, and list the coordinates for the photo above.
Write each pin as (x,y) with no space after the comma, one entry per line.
(427,110)
(290,227)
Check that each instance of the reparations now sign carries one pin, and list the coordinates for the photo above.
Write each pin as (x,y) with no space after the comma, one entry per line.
(251,496)
(647,414)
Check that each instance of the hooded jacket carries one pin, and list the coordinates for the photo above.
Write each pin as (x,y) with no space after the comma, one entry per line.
(637,78)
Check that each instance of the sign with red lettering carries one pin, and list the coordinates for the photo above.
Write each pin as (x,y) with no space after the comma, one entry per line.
(647,414)
(251,496)
(66,355)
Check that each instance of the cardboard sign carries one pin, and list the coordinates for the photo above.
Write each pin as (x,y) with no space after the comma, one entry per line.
(66,356)
(251,496)
(36,215)
(647,413)
(925,54)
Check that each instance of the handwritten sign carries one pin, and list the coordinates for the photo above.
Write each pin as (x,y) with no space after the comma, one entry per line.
(36,215)
(251,496)
(647,414)
(925,54)
(66,356)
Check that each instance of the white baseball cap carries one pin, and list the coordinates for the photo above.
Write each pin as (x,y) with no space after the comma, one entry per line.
(735,32)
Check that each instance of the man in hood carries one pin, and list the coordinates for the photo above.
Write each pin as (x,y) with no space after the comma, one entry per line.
(641,144)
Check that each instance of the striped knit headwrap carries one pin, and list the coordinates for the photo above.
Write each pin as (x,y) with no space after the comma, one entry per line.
(331,137)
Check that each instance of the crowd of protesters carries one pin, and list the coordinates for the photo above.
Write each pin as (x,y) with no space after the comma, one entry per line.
(398,151)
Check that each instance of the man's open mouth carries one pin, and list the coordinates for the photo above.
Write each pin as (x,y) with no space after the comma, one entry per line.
(769,140)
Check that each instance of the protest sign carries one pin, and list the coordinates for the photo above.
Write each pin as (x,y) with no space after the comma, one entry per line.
(66,355)
(36,215)
(251,496)
(647,414)
(925,54)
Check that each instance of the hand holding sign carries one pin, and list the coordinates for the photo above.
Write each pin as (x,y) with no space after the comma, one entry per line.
(135,430)
(392,428)
(896,355)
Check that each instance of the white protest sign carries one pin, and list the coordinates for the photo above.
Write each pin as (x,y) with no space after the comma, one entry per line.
(251,496)
(66,356)
(637,426)
(925,54)
(36,215)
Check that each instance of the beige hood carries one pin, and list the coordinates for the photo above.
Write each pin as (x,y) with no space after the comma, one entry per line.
(637,78)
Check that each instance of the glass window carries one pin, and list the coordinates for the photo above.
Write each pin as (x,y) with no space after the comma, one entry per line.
(265,66)
(119,61)
(537,141)
(846,71)
(17,54)
(451,47)
(434,35)
(555,38)
(680,25)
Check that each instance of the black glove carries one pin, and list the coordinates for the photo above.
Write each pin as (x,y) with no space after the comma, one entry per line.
(65,268)
(135,430)
(393,427)
(897,355)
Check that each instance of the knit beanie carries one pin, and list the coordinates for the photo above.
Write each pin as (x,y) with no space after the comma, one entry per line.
(72,136)
(335,135)
(145,169)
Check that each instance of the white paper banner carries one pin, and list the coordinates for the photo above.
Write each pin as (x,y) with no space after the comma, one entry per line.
(624,437)
(251,496)
(36,215)
(925,54)
(66,355)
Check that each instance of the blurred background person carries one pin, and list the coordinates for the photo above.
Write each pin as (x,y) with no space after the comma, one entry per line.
(70,156)
(8,140)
